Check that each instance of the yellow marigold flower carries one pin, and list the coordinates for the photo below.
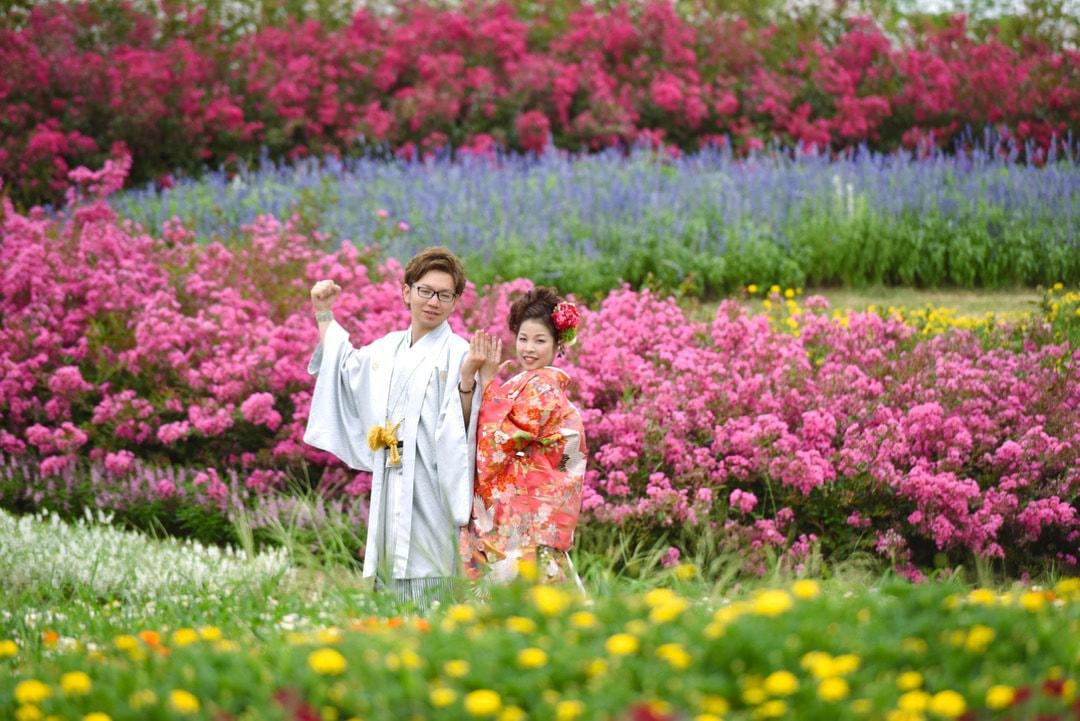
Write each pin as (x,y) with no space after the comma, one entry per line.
(569,710)
(550,600)
(754,695)
(685,571)
(512,713)
(411,659)
(185,636)
(707,717)
(675,655)
(781,683)
(96,716)
(532,658)
(659,596)
(32,692)
(328,635)
(845,663)
(126,642)
(979,638)
(909,681)
(771,603)
(28,713)
(915,701)
(521,624)
(805,589)
(441,696)
(8,648)
(75,683)
(983,596)
(596,667)
(142,698)
(183,702)
(766,304)
(461,613)
(715,705)
(483,702)
(818,663)
(999,697)
(210,633)
(789,293)
(456,668)
(833,689)
(714,630)
(622,644)
(774,288)
(583,619)
(752,288)
(1033,600)
(771,709)
(527,570)
(1058,286)
(1067,586)
(326,662)
(949,704)
(669,611)
(903,715)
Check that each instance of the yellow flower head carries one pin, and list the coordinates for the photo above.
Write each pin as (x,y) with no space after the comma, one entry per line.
(326,662)
(771,709)
(8,648)
(659,596)
(185,636)
(512,713)
(457,668)
(805,589)
(685,571)
(668,611)
(781,683)
(551,601)
(441,696)
(521,624)
(913,701)
(622,644)
(583,619)
(210,633)
(75,683)
(833,689)
(483,702)
(461,613)
(569,710)
(999,697)
(949,704)
(771,603)
(909,680)
(32,692)
(532,658)
(28,713)
(96,716)
(183,702)
(675,655)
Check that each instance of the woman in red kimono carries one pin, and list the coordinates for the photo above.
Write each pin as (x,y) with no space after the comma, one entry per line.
(530,457)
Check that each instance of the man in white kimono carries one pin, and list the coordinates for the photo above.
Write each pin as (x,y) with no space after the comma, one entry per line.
(400,408)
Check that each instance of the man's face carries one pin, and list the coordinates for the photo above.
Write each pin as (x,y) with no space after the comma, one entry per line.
(428,313)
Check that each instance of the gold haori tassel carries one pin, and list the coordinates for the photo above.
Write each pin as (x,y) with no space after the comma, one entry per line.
(385,437)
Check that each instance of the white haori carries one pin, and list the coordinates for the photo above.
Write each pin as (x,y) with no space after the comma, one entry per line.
(416,507)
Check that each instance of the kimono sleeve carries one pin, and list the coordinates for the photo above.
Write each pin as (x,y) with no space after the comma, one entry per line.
(455,445)
(339,420)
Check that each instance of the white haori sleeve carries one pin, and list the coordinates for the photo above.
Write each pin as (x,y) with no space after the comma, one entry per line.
(454,446)
(340,414)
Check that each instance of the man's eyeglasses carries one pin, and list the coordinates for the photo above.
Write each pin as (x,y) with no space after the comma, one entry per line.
(426,293)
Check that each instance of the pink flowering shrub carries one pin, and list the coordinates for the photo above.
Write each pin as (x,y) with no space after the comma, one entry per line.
(180,93)
(168,378)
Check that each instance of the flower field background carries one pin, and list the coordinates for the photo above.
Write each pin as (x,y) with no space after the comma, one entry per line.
(791,510)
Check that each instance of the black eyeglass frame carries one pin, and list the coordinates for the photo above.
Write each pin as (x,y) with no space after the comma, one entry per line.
(426,293)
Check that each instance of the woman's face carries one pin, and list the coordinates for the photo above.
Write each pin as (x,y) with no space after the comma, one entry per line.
(535,345)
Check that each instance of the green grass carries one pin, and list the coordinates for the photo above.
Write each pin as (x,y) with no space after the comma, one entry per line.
(965,302)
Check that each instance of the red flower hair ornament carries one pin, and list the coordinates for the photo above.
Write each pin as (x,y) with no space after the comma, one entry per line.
(566,318)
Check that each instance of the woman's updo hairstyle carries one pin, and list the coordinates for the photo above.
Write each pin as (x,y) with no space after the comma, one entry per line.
(538,304)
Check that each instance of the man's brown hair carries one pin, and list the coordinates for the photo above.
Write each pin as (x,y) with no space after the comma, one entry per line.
(437,257)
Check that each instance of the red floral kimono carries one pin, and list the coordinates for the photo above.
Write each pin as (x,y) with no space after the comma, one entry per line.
(530,462)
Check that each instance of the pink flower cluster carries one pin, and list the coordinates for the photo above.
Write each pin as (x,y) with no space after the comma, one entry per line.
(183,95)
(133,350)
